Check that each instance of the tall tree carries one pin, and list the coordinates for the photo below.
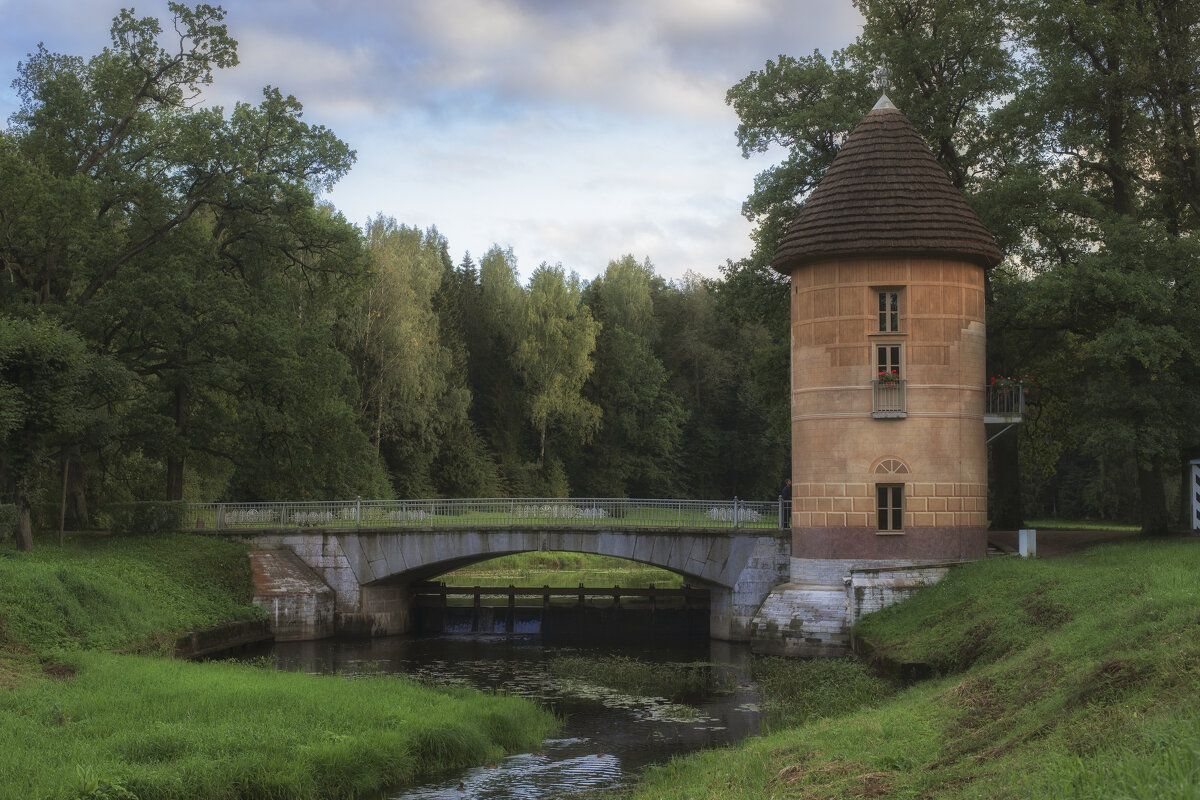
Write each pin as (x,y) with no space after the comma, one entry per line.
(120,189)
(45,374)
(636,450)
(554,358)
(496,384)
(400,362)
(464,466)
(1106,108)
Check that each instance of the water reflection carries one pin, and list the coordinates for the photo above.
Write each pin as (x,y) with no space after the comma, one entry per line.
(607,737)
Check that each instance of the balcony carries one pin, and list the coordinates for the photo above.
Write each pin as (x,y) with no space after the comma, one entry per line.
(888,399)
(1005,404)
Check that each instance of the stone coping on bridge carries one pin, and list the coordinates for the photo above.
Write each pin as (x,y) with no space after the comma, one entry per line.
(779,533)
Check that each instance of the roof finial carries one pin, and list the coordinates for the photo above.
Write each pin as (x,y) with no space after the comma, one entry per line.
(881,81)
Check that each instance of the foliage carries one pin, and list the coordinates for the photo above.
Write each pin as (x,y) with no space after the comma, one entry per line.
(145,518)
(556,339)
(187,253)
(401,367)
(736,439)
(45,371)
(635,452)
(1072,132)
(8,521)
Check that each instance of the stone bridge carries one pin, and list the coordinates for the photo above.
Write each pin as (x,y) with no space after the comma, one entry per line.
(369,570)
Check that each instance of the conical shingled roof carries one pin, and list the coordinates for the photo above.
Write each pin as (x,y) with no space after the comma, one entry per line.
(885,194)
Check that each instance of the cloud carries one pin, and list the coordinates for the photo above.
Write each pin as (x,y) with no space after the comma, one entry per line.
(575,131)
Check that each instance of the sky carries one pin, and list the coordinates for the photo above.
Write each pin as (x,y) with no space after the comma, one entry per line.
(572,131)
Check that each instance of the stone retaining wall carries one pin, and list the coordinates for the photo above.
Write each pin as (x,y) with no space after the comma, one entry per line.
(813,617)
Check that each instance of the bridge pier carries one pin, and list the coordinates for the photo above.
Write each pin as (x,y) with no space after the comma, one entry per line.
(383,611)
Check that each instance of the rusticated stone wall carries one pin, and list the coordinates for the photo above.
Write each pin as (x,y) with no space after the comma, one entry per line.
(841,452)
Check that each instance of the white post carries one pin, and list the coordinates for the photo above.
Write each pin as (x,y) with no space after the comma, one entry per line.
(1196,496)
(1027,542)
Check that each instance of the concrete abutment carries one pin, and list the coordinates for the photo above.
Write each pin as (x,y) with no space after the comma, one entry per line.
(812,615)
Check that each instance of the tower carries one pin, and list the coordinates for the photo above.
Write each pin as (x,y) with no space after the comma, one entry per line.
(889,466)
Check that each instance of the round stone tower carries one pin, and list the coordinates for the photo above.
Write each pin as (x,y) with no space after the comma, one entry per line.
(889,466)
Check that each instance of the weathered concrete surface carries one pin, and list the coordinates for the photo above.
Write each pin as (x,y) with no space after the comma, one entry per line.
(369,570)
(222,638)
(811,616)
(300,605)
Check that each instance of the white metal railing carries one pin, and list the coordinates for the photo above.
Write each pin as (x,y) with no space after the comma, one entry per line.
(517,512)
(1006,399)
(888,399)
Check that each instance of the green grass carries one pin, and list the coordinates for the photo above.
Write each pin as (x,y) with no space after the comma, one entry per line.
(1066,678)
(1078,525)
(121,593)
(562,569)
(80,721)
(172,729)
(794,691)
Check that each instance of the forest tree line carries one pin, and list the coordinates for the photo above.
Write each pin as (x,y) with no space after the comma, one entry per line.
(182,317)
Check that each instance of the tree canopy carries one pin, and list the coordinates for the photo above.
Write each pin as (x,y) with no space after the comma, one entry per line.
(183,317)
(1071,129)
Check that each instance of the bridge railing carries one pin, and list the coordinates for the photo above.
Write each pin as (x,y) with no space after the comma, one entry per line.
(509,512)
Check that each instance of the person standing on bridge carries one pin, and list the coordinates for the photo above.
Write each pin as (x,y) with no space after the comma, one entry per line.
(785,503)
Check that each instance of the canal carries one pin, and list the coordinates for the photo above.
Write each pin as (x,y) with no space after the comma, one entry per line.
(606,739)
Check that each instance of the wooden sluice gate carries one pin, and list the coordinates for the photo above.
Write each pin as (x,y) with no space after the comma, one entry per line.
(589,614)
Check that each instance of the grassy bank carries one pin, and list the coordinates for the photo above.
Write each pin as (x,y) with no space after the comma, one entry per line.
(562,569)
(1067,678)
(80,721)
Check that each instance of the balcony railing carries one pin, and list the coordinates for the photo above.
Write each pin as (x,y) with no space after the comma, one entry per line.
(1005,403)
(888,399)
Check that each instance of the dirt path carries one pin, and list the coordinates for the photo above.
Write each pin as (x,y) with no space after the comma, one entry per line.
(1058,543)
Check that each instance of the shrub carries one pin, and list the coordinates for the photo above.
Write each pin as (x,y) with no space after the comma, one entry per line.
(146,518)
(8,521)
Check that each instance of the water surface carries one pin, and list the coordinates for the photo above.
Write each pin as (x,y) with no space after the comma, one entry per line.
(606,739)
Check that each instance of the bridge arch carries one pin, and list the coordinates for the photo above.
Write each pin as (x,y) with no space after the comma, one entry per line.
(370,569)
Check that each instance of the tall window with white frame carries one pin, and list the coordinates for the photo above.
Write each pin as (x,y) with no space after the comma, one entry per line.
(889,312)
(889,506)
(887,360)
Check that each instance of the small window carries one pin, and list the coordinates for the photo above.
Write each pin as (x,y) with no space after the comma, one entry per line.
(887,361)
(889,312)
(890,506)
